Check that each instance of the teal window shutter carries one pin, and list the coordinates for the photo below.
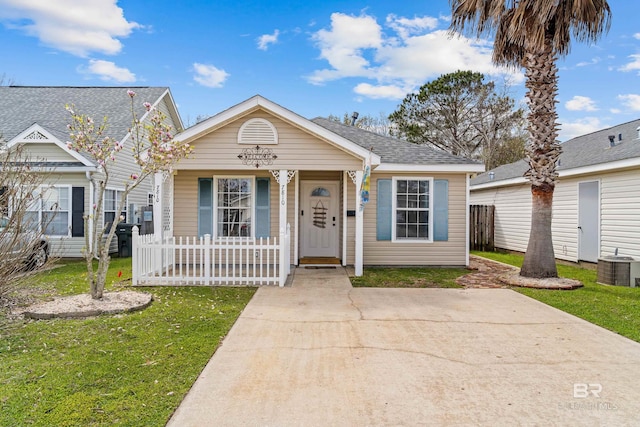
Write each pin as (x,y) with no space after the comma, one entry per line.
(263,217)
(205,206)
(384,208)
(441,210)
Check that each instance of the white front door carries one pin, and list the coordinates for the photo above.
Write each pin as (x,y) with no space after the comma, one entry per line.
(319,219)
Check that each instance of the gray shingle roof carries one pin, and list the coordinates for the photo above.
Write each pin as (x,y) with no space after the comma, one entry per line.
(23,106)
(586,150)
(392,150)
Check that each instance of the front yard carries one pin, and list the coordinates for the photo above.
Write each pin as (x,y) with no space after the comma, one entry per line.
(134,369)
(128,370)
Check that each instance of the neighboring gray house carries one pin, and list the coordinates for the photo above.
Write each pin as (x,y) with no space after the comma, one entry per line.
(596,204)
(35,117)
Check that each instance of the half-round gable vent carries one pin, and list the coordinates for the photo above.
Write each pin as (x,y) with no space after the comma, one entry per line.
(257,132)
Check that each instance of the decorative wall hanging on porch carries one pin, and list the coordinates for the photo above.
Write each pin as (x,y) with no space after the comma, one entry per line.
(257,156)
(319,215)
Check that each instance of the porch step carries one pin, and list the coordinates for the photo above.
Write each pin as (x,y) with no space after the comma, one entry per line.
(319,261)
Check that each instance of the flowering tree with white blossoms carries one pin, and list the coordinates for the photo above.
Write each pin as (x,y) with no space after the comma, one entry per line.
(153,150)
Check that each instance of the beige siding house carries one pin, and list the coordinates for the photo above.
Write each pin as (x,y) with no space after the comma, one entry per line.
(596,204)
(257,168)
(43,134)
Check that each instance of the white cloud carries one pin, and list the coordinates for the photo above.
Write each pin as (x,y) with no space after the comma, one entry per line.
(579,127)
(580,103)
(631,101)
(266,39)
(77,27)
(430,55)
(381,91)
(209,75)
(636,36)
(403,55)
(593,61)
(406,27)
(634,65)
(343,46)
(109,71)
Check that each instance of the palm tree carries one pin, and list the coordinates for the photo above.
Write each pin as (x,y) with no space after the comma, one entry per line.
(533,34)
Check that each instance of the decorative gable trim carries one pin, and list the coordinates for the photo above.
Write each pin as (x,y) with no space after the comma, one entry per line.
(36,134)
(258,132)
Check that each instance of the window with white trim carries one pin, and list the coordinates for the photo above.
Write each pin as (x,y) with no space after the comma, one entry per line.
(110,207)
(234,206)
(50,210)
(412,209)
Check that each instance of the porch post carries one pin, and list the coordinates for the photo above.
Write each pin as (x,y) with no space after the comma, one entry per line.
(296,219)
(157,204)
(359,225)
(467,231)
(345,204)
(283,181)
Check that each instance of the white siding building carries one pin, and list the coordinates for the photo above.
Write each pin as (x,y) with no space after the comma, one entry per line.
(596,204)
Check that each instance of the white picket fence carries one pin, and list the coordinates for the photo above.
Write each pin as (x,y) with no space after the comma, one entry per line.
(207,261)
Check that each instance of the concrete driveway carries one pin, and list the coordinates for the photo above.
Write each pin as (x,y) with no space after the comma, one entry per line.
(321,353)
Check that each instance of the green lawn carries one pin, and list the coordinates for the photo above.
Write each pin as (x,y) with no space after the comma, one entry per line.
(389,277)
(128,370)
(616,308)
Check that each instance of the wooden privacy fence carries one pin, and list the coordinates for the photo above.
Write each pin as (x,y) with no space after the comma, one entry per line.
(207,261)
(481,227)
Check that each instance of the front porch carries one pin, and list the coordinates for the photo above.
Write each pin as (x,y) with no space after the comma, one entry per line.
(167,259)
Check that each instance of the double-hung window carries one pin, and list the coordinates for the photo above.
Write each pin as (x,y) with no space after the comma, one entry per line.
(412,209)
(50,211)
(110,208)
(234,206)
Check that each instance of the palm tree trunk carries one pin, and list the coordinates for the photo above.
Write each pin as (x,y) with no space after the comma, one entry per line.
(539,260)
(542,156)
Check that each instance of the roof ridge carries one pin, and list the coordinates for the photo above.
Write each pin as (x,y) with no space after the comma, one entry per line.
(82,87)
(600,130)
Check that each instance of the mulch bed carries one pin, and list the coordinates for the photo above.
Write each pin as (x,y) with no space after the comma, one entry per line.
(487,274)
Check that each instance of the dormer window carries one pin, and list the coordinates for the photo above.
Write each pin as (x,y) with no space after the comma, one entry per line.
(257,132)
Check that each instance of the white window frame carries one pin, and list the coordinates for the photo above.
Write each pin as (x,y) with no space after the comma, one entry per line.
(252,208)
(43,189)
(116,214)
(394,211)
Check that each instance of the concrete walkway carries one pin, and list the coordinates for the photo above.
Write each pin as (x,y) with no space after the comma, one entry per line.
(321,353)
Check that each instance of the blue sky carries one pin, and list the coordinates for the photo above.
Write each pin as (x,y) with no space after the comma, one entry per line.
(314,58)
